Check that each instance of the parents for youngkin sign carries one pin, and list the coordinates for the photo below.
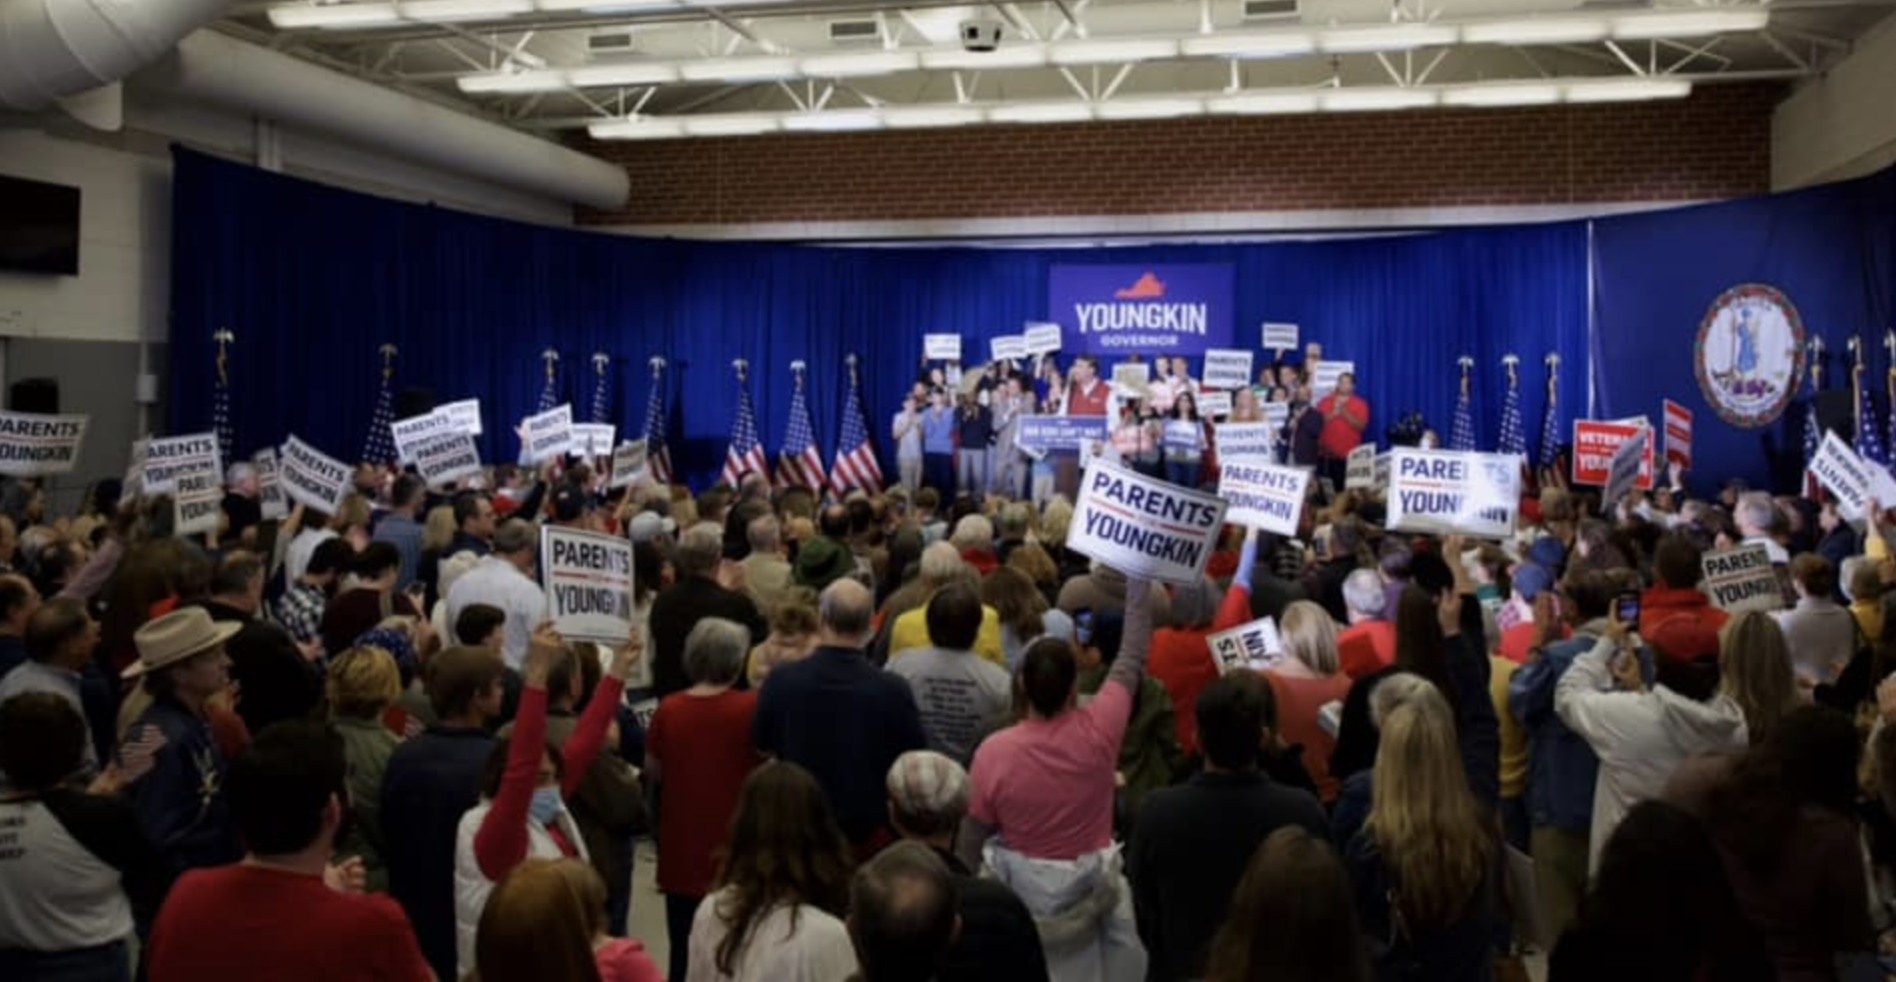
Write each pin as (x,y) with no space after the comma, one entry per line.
(1142,526)
(1172,309)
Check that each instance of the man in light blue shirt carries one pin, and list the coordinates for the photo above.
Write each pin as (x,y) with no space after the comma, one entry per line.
(60,638)
(401,529)
(938,445)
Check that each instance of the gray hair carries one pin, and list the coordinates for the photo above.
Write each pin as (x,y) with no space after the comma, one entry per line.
(1756,510)
(941,565)
(715,651)
(763,533)
(514,535)
(699,551)
(1363,592)
(1014,518)
(973,532)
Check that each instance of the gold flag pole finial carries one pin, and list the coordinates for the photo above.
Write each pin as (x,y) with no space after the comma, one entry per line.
(388,352)
(224,338)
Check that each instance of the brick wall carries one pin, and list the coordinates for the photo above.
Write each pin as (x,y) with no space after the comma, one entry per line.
(1715,144)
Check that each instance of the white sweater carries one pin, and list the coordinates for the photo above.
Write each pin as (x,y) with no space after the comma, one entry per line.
(471,886)
(1640,737)
(817,949)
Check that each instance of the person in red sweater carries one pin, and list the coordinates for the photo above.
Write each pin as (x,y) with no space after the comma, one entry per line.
(1181,656)
(1368,645)
(1677,569)
(1345,417)
(284,913)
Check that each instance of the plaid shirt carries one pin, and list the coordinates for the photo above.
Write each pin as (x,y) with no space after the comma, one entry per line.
(300,612)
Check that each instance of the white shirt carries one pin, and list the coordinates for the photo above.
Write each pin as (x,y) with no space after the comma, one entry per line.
(817,949)
(55,894)
(296,561)
(498,583)
(1820,635)
(908,443)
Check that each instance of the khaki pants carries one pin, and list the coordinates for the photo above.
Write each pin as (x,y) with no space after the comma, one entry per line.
(1560,876)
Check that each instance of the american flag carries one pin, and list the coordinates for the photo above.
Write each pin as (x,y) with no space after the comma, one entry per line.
(799,462)
(379,447)
(1513,437)
(220,398)
(1550,416)
(602,383)
(856,465)
(1869,444)
(550,391)
(656,456)
(1461,435)
(745,454)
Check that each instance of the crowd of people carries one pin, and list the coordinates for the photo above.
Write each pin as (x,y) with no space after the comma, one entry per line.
(915,735)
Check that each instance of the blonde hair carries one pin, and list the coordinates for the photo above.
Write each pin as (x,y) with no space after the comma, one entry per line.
(1755,672)
(362,683)
(354,511)
(440,528)
(1055,520)
(536,925)
(1310,636)
(1032,560)
(1423,818)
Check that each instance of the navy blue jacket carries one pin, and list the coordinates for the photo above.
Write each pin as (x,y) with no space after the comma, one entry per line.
(1561,767)
(181,802)
(431,781)
(845,721)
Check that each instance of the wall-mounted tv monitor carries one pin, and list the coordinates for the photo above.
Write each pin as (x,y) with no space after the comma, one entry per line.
(39,227)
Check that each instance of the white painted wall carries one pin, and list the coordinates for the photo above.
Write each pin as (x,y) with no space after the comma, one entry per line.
(1840,125)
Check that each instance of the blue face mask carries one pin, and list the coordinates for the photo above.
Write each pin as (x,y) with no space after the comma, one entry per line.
(546,805)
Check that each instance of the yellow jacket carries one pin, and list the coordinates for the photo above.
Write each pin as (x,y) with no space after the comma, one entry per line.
(911,631)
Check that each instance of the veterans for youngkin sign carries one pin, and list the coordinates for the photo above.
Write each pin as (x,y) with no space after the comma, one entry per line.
(1173,310)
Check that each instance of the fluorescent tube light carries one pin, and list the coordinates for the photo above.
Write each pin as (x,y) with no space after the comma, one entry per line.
(1385,37)
(763,68)
(1686,23)
(930,117)
(608,6)
(833,121)
(1498,95)
(1009,56)
(730,124)
(1537,30)
(1150,108)
(638,128)
(449,11)
(1264,103)
(859,64)
(1273,44)
(1041,112)
(1376,99)
(623,73)
(511,83)
(1109,50)
(1628,90)
(334,16)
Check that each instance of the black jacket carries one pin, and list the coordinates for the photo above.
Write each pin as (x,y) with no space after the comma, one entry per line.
(998,941)
(678,610)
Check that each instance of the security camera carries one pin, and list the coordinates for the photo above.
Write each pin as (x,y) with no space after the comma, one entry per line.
(980,35)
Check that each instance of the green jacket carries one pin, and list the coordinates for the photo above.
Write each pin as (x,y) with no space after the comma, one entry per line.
(1149,757)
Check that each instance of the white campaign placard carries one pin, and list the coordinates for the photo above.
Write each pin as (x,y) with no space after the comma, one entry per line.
(628,463)
(1742,579)
(1255,646)
(1181,435)
(1276,414)
(1143,526)
(594,439)
(1443,491)
(1136,375)
(548,434)
(415,429)
(1245,441)
(446,457)
(1213,404)
(941,347)
(1263,496)
(312,477)
(1844,474)
(197,499)
(135,472)
(1359,468)
(1327,374)
(1007,347)
(465,414)
(31,443)
(1040,337)
(1227,368)
(1279,337)
(588,579)
(1382,471)
(1622,472)
(166,457)
(269,485)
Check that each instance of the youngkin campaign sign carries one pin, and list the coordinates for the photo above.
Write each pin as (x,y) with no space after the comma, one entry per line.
(1742,579)
(1142,526)
(1594,443)
(167,457)
(1245,441)
(1168,309)
(33,444)
(1442,491)
(1256,646)
(270,500)
(588,584)
(1262,495)
(1045,433)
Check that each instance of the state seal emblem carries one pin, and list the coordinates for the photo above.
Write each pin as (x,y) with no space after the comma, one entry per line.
(1749,357)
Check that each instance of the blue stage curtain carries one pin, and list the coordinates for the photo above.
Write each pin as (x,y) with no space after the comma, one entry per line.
(1831,250)
(313,279)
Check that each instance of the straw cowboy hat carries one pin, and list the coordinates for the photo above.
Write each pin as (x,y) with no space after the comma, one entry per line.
(176,636)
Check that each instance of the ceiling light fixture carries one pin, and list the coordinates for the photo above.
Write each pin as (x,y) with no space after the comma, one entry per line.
(452,11)
(1041,112)
(1376,99)
(730,124)
(1111,50)
(861,64)
(511,83)
(1385,37)
(638,128)
(1263,103)
(1628,90)
(1652,25)
(1009,56)
(623,73)
(756,69)
(833,121)
(1152,107)
(1273,44)
(1537,30)
(930,117)
(334,16)
(1501,95)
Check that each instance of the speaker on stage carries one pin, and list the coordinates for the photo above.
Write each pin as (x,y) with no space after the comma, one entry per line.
(1836,410)
(413,402)
(34,395)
